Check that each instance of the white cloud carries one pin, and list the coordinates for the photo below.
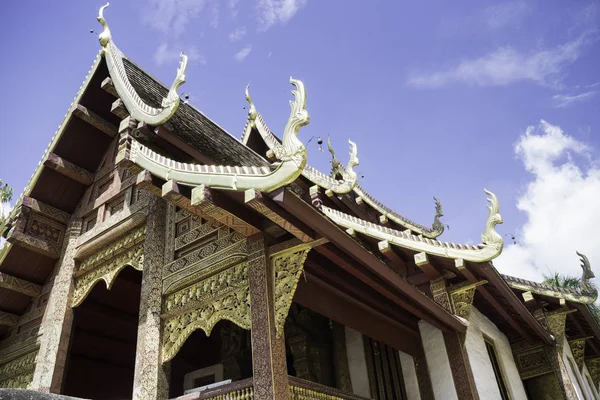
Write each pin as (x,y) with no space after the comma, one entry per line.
(172,16)
(500,15)
(272,12)
(243,53)
(565,100)
(560,203)
(506,65)
(164,53)
(237,34)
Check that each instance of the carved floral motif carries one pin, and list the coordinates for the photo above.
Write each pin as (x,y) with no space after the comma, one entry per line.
(440,294)
(287,269)
(211,287)
(107,272)
(127,242)
(18,373)
(233,306)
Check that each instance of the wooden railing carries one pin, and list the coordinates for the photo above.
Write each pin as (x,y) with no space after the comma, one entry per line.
(299,390)
(240,390)
(305,390)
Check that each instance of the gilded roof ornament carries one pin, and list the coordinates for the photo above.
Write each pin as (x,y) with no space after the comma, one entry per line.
(588,274)
(252,113)
(105,36)
(137,107)
(585,294)
(291,154)
(490,248)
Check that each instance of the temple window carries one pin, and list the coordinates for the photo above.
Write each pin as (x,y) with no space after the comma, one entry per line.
(89,221)
(385,372)
(497,369)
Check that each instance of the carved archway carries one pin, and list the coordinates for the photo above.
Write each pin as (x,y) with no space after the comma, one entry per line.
(223,296)
(106,272)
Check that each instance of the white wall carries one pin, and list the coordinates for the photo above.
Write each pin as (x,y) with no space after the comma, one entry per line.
(483,372)
(357,363)
(409,373)
(574,374)
(437,362)
(587,378)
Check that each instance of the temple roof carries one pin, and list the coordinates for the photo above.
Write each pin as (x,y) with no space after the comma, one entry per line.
(191,125)
(575,295)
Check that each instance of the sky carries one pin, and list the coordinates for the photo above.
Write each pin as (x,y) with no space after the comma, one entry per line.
(442,98)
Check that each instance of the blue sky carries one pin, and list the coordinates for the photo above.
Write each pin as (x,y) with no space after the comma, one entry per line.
(442,98)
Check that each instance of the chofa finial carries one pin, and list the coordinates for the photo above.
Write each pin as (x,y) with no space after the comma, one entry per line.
(252,113)
(490,236)
(588,274)
(105,35)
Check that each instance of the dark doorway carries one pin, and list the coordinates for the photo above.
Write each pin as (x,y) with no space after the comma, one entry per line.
(225,354)
(101,360)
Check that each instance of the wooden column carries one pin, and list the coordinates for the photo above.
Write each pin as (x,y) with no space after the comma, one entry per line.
(460,366)
(150,381)
(58,320)
(268,352)
(425,388)
(555,323)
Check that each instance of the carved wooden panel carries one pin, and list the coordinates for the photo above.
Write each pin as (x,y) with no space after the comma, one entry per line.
(18,373)
(225,295)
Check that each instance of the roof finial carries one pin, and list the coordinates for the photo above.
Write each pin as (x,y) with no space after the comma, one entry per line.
(252,113)
(489,235)
(437,223)
(105,35)
(588,274)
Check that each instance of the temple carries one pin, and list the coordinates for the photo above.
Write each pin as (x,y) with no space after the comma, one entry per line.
(152,255)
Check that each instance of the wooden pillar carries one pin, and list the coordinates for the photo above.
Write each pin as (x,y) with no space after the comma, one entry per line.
(340,358)
(425,388)
(555,323)
(268,352)
(150,381)
(460,366)
(58,319)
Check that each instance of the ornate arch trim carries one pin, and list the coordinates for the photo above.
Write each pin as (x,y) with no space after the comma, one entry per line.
(107,272)
(222,296)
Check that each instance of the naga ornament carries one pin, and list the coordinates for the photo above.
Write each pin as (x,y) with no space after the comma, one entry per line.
(490,248)
(138,108)
(291,155)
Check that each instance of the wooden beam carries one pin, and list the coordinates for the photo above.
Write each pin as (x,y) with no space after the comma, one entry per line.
(118,108)
(289,245)
(315,296)
(108,85)
(494,278)
(46,210)
(34,244)
(95,120)
(145,180)
(176,141)
(68,169)
(8,319)
(276,214)
(19,285)
(368,298)
(339,238)
(466,272)
(571,317)
(211,204)
(398,263)
(422,261)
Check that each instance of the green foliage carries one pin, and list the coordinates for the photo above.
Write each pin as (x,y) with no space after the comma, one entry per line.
(6,192)
(562,281)
(571,282)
